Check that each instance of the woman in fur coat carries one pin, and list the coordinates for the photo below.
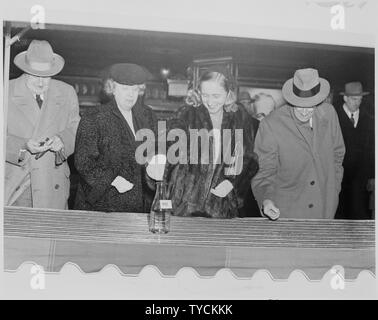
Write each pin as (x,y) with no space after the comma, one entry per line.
(211,175)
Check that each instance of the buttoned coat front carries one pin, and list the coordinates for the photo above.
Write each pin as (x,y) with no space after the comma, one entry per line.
(59,115)
(301,176)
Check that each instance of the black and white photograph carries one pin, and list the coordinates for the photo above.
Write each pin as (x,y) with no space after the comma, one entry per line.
(170,148)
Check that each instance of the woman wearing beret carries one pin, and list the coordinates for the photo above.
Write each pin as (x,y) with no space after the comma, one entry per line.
(301,149)
(110,177)
(211,178)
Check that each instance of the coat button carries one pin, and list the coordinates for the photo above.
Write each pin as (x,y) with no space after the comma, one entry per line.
(310,205)
(312,183)
(57,186)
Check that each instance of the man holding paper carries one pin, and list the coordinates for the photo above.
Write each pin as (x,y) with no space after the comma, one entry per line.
(43,115)
(110,177)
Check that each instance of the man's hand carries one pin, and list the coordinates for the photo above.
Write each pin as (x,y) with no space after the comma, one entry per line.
(222,189)
(36,147)
(55,144)
(270,210)
(122,185)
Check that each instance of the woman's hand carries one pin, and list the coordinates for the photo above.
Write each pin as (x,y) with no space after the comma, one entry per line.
(156,166)
(270,210)
(122,185)
(222,189)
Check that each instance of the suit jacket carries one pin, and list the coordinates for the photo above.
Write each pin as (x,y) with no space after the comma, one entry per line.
(301,176)
(105,149)
(59,115)
(189,184)
(359,144)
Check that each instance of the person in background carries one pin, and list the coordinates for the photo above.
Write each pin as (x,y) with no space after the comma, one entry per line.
(357,126)
(110,177)
(244,99)
(300,150)
(43,115)
(263,104)
(212,186)
(250,207)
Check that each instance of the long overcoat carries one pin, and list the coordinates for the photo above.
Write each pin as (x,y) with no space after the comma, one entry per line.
(358,165)
(301,176)
(59,115)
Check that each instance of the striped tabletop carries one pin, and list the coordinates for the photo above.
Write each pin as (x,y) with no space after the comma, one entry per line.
(241,235)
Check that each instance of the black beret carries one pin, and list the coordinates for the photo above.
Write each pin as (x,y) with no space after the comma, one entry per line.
(129,74)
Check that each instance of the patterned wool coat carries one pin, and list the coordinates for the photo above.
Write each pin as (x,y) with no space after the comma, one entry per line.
(189,184)
(105,148)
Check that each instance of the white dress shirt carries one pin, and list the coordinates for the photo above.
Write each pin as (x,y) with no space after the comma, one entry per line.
(356,114)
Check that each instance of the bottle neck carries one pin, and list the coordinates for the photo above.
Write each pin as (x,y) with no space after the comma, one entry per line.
(160,189)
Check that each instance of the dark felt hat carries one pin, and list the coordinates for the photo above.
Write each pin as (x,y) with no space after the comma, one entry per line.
(244,95)
(354,89)
(129,74)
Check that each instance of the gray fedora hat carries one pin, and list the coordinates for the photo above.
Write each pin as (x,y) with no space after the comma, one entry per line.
(39,60)
(306,89)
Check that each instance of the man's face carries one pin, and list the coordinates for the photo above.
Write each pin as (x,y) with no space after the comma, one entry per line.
(125,96)
(353,102)
(303,114)
(37,85)
(263,107)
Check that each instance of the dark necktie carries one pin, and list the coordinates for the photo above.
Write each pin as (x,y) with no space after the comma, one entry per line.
(39,100)
(352,119)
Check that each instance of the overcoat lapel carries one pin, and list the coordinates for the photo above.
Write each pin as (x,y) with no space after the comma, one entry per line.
(23,99)
(320,124)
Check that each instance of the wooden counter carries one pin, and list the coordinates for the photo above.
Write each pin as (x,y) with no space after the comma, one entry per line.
(93,240)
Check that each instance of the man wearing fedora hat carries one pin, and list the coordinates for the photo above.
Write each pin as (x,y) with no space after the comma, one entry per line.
(43,115)
(300,149)
(357,126)
(105,155)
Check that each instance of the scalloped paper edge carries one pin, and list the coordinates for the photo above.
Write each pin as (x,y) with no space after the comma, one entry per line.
(149,283)
(156,268)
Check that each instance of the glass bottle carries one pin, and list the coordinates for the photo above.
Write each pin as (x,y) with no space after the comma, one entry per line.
(161,209)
